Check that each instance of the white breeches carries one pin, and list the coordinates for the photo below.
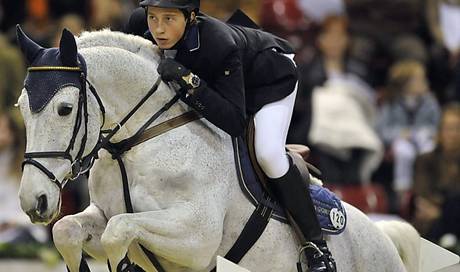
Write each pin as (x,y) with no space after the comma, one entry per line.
(271,128)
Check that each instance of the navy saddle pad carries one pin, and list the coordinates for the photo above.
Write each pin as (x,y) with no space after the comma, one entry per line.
(329,209)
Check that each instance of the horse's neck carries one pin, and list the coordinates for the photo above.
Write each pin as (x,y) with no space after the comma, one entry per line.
(122,79)
(107,38)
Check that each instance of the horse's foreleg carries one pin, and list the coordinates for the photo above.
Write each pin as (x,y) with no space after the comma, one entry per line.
(75,233)
(183,235)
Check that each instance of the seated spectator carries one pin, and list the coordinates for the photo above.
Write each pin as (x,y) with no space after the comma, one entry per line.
(346,80)
(408,120)
(342,132)
(437,181)
(330,60)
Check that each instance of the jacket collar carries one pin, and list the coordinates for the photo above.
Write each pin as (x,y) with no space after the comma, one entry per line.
(192,38)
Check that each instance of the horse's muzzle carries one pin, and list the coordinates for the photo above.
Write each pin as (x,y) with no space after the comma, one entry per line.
(38,215)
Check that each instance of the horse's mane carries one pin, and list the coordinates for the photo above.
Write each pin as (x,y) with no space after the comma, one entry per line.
(108,38)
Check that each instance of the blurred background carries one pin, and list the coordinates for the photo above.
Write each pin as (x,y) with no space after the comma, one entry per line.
(378,103)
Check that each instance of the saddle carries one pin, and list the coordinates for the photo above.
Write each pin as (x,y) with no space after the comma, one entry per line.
(253,182)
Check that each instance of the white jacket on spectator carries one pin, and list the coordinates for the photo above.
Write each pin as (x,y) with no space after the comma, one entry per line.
(342,119)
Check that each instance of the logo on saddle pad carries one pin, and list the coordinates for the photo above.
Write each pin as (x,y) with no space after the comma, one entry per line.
(329,210)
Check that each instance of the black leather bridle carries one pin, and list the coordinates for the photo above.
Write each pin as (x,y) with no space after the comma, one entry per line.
(76,163)
(82,164)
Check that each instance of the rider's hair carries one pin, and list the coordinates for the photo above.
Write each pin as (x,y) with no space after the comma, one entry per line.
(190,16)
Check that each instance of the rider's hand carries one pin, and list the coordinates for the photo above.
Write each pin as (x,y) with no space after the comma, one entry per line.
(171,70)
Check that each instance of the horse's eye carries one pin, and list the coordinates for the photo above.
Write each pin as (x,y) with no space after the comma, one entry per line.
(64,109)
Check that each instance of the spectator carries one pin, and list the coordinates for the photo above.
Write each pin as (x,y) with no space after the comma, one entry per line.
(408,120)
(333,74)
(437,181)
(342,132)
(331,60)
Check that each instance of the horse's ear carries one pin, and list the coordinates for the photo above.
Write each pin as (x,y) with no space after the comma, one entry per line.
(68,49)
(29,48)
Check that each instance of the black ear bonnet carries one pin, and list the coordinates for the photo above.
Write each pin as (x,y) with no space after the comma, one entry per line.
(51,69)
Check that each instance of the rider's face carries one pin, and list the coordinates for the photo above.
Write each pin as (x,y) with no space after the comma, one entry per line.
(167,25)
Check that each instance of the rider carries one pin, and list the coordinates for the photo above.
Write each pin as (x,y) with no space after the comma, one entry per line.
(227,71)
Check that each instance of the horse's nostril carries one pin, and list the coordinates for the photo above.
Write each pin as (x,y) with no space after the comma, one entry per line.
(42,204)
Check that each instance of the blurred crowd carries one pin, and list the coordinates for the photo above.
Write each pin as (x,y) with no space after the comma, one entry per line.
(378,98)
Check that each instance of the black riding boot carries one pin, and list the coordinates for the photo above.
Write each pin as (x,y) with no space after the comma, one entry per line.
(291,190)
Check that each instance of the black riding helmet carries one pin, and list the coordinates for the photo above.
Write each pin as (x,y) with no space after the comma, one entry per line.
(188,5)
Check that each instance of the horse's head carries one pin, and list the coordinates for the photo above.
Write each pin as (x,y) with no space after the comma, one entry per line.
(61,122)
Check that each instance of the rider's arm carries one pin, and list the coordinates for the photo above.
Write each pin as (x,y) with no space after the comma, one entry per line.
(222,101)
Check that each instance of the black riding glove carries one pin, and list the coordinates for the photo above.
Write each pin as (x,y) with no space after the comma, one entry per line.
(172,71)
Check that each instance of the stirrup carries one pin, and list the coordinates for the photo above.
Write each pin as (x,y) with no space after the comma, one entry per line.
(305,247)
(324,258)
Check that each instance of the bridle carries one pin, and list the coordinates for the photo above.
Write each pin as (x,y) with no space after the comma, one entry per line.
(82,164)
(82,116)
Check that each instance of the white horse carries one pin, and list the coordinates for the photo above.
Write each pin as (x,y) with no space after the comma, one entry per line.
(188,206)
